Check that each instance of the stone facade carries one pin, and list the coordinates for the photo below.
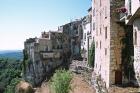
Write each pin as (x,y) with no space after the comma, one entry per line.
(102,23)
(72,34)
(111,41)
(86,25)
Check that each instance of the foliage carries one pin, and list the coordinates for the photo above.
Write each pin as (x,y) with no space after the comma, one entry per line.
(91,55)
(10,74)
(60,82)
(11,87)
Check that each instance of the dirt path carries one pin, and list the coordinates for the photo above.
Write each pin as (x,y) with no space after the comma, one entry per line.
(79,85)
(43,89)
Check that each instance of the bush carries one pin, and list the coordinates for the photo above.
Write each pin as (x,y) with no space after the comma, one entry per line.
(91,55)
(10,75)
(60,82)
(11,87)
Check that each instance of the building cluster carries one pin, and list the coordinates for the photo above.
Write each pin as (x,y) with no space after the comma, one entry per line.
(113,26)
(52,49)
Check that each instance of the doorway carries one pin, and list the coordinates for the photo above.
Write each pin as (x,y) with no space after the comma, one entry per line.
(118,77)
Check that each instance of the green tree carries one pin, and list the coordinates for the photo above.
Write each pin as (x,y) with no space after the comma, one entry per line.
(91,55)
(11,87)
(60,82)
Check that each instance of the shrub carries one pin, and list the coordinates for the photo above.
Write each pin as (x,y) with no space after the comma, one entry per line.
(11,87)
(91,55)
(60,82)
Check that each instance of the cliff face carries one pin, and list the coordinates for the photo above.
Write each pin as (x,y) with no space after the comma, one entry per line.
(36,72)
(33,74)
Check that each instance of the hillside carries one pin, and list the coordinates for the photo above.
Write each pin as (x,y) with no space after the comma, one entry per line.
(16,54)
(10,74)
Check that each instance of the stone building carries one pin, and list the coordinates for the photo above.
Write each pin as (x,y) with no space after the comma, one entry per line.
(87,34)
(113,43)
(72,34)
(42,55)
(133,18)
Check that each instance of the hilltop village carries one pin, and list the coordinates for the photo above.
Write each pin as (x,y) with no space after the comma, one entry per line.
(107,40)
(52,49)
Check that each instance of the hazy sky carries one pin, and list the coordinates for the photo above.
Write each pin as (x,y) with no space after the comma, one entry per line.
(21,19)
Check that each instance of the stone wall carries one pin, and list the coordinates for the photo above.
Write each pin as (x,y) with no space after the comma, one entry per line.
(121,48)
(117,33)
(111,42)
(136,36)
(72,35)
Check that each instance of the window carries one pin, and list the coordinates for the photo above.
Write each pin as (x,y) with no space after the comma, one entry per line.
(105,32)
(100,2)
(46,35)
(97,32)
(105,12)
(84,26)
(135,37)
(76,31)
(46,48)
(85,36)
(96,44)
(94,12)
(100,31)
(96,65)
(100,45)
(129,6)
(93,26)
(105,51)
(100,17)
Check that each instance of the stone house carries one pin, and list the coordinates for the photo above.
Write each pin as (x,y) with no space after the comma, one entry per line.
(72,34)
(132,18)
(113,43)
(87,34)
(43,55)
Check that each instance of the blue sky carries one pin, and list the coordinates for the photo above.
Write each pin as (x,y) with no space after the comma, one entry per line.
(21,19)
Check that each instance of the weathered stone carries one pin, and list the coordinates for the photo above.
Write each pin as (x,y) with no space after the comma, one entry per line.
(24,87)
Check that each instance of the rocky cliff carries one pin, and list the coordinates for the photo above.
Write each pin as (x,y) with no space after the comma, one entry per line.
(35,71)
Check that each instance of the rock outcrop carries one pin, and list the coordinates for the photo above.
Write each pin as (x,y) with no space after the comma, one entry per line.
(24,87)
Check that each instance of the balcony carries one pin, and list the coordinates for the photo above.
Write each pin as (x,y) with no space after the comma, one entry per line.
(121,14)
(121,17)
(48,55)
